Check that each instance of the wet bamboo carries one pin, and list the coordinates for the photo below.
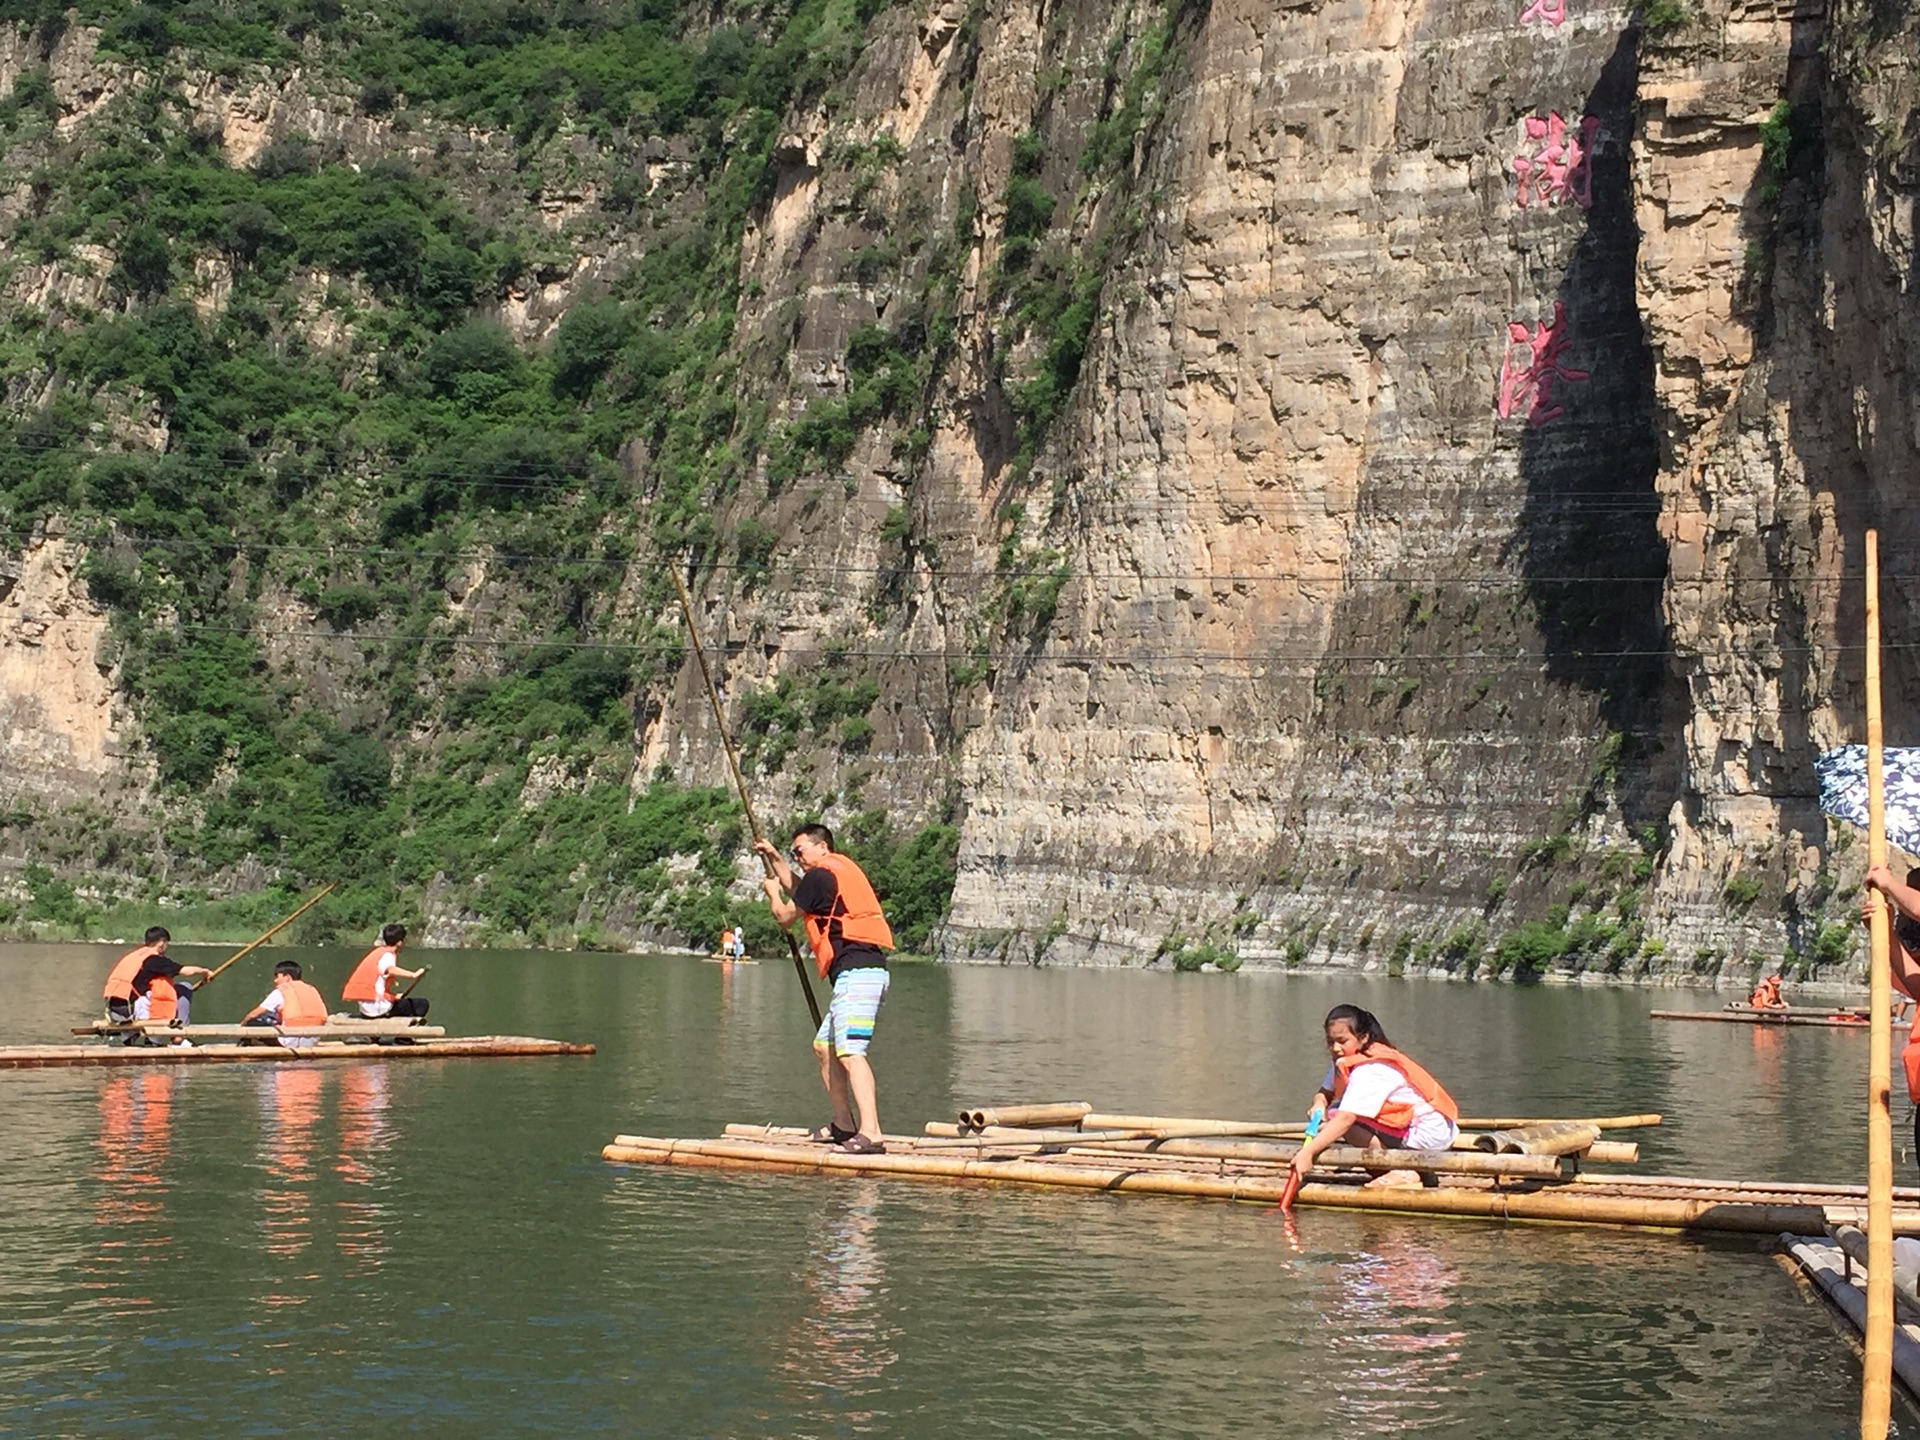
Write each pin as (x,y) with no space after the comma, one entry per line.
(1204,1147)
(272,931)
(1545,1139)
(1098,1120)
(26,1057)
(1612,1152)
(1066,1112)
(1876,1390)
(739,782)
(1553,1204)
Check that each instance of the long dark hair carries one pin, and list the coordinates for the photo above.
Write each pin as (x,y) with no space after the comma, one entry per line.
(1366,1028)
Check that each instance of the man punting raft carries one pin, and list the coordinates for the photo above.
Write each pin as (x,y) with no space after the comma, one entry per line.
(849,938)
(145,984)
(1376,1097)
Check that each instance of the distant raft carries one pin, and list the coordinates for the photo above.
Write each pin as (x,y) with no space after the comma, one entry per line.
(1539,1177)
(1740,1013)
(255,1044)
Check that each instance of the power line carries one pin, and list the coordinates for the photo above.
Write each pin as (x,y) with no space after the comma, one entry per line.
(835,654)
(1346,580)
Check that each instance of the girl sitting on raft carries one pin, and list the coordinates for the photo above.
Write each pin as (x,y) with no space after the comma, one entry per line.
(1377,1096)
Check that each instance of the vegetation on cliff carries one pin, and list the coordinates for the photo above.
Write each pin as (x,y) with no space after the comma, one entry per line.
(366,552)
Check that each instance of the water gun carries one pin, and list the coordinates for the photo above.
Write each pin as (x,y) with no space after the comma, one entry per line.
(1293,1176)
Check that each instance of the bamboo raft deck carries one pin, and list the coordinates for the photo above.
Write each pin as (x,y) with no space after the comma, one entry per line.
(1739,1014)
(267,1051)
(1466,1182)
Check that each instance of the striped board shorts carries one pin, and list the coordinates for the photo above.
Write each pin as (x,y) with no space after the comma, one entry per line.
(855,1005)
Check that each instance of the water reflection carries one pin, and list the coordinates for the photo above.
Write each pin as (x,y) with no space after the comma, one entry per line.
(134,1140)
(364,1129)
(290,1107)
(846,1339)
(1396,1338)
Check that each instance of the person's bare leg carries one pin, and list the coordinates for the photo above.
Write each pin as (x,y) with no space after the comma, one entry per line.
(860,1079)
(834,1077)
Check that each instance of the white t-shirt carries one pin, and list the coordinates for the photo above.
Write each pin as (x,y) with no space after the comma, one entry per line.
(1372,1088)
(271,1006)
(383,972)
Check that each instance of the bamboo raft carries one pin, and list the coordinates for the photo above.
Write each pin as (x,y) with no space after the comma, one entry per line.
(1538,1177)
(260,1046)
(1740,1013)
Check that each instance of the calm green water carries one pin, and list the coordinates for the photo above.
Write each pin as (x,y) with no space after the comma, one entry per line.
(435,1248)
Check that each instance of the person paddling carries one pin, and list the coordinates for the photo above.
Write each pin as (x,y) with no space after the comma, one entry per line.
(371,983)
(1766,995)
(1375,1096)
(131,982)
(292,1001)
(849,938)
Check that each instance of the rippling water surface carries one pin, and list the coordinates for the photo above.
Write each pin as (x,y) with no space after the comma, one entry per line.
(326,1250)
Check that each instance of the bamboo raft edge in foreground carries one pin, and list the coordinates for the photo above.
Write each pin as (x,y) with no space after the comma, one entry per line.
(475,1047)
(1711,1208)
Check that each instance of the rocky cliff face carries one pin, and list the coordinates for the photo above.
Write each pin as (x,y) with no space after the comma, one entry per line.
(1343,484)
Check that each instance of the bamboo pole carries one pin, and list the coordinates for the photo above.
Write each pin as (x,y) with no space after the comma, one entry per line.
(1876,1390)
(1203,1145)
(413,982)
(1097,1120)
(739,782)
(1558,1138)
(273,930)
(1612,1152)
(1066,1112)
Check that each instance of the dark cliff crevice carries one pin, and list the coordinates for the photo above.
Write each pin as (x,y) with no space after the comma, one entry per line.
(1590,549)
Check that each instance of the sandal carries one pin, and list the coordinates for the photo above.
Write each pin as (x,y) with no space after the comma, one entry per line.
(830,1134)
(859,1144)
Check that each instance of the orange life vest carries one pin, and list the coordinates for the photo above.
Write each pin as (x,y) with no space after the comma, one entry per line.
(364,983)
(163,1001)
(1910,1058)
(856,916)
(120,978)
(1397,1119)
(301,1004)
(1765,996)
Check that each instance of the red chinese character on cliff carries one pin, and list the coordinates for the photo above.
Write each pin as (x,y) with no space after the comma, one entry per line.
(1556,165)
(1554,12)
(1532,366)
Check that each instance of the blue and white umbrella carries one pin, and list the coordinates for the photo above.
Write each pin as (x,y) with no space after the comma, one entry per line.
(1843,789)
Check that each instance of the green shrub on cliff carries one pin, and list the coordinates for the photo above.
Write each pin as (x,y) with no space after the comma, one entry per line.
(360,472)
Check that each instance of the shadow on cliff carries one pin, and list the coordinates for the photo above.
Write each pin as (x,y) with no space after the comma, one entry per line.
(1594,563)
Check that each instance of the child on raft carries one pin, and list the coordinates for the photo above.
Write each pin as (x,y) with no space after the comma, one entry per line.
(1374,1096)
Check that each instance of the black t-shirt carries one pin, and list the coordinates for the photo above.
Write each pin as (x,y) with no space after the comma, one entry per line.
(153,965)
(816,894)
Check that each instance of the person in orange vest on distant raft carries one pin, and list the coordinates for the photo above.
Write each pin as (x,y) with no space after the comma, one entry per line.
(1766,995)
(1375,1096)
(849,938)
(291,1002)
(137,974)
(371,983)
